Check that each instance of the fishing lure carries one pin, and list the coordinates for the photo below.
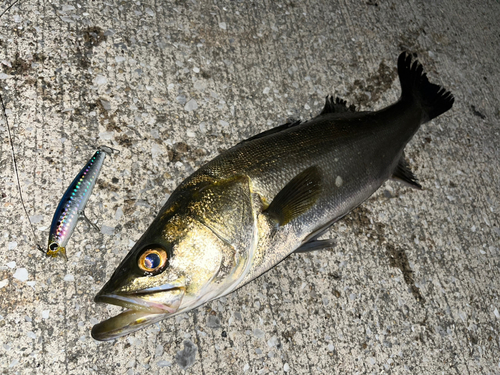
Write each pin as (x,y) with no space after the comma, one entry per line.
(72,204)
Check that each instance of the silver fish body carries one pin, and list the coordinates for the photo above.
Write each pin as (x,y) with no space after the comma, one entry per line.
(273,194)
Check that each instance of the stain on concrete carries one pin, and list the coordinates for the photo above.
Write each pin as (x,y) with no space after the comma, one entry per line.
(398,259)
(186,357)
(107,186)
(107,116)
(475,112)
(374,231)
(93,36)
(288,336)
(371,90)
(178,151)
(18,67)
(82,58)
(213,321)
(124,140)
(359,221)
(129,207)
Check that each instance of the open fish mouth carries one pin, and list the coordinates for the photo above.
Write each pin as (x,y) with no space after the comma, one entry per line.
(143,308)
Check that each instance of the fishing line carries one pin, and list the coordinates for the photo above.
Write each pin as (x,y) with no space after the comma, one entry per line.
(17,173)
(10,6)
(13,153)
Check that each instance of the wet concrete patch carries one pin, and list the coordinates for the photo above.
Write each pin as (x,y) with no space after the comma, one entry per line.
(369,91)
(93,36)
(360,223)
(18,66)
(398,259)
(475,112)
(186,357)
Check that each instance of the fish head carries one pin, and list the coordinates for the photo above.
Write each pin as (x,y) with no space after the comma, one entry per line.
(184,259)
(160,279)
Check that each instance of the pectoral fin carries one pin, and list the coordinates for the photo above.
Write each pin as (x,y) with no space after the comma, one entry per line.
(296,197)
(403,174)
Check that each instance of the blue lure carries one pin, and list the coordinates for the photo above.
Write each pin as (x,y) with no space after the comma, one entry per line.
(73,202)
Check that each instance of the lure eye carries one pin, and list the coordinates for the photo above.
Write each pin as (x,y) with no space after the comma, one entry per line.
(153,260)
(53,246)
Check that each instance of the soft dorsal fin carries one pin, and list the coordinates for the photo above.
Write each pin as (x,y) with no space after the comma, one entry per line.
(336,105)
(403,174)
(296,197)
(277,129)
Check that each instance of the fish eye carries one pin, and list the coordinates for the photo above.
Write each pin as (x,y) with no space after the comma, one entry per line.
(153,259)
(53,246)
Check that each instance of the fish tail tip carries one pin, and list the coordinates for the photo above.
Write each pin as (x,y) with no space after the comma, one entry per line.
(415,86)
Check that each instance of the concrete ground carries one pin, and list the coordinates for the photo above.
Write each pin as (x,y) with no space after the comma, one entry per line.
(412,286)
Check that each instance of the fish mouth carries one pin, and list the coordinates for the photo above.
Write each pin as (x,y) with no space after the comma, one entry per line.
(143,308)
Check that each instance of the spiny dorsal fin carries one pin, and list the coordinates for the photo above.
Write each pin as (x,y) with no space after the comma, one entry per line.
(296,197)
(336,105)
(403,174)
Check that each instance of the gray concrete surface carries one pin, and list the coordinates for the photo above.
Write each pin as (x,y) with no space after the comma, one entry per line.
(411,288)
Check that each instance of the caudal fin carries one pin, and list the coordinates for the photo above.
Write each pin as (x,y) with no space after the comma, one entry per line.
(415,87)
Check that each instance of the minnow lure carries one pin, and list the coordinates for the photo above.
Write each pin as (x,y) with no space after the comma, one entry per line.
(72,204)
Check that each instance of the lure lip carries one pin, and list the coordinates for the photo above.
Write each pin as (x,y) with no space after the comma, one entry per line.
(143,307)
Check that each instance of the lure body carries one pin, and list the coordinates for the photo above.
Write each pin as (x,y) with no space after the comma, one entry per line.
(72,204)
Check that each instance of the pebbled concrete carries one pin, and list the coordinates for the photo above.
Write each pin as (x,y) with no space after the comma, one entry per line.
(411,288)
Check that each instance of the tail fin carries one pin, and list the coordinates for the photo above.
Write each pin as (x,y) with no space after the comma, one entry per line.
(415,86)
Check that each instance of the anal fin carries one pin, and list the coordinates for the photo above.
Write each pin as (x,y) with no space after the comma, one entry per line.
(314,245)
(403,174)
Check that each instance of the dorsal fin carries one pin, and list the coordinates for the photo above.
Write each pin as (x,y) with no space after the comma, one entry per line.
(336,105)
(277,129)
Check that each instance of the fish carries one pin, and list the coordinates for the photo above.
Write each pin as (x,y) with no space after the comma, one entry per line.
(72,204)
(267,197)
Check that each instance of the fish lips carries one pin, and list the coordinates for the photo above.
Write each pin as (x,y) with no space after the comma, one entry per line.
(144,308)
